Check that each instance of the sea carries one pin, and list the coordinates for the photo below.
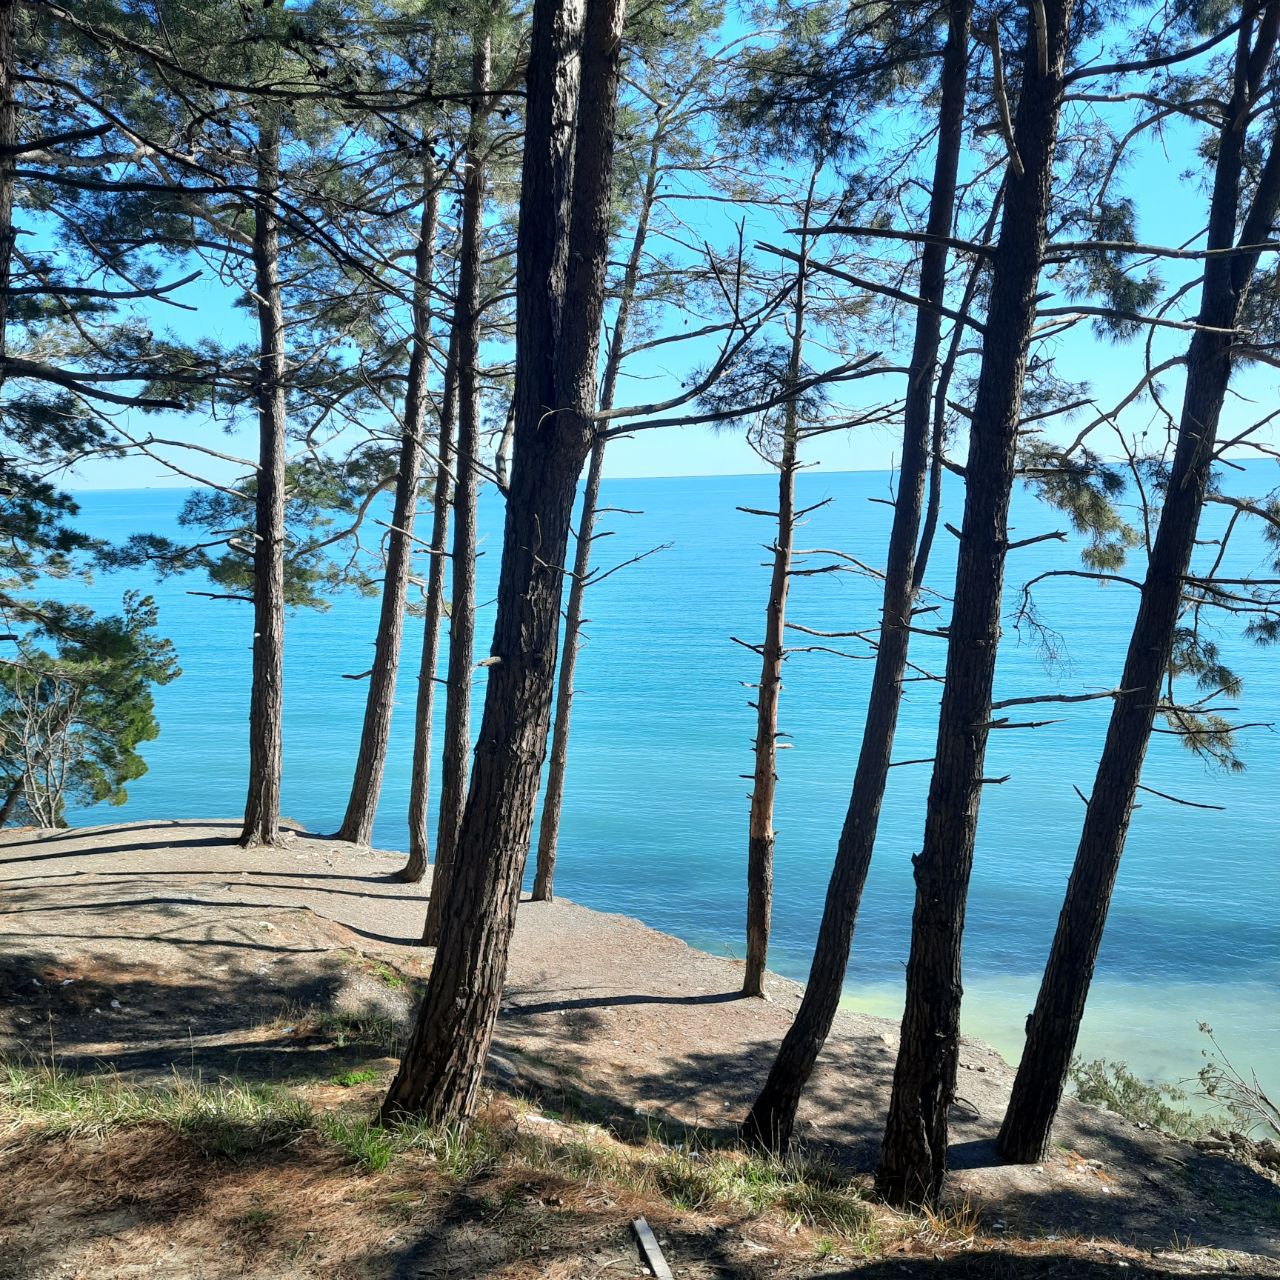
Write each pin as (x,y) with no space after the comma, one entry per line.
(655,808)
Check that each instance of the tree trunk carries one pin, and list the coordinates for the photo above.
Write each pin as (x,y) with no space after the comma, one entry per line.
(462,578)
(561,254)
(914,1153)
(266,706)
(8,141)
(760,834)
(772,1118)
(420,784)
(1055,1023)
(553,794)
(357,824)
(502,455)
(11,802)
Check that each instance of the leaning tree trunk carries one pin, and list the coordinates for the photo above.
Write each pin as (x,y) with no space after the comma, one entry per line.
(266,705)
(553,794)
(760,835)
(561,255)
(357,824)
(913,1157)
(772,1118)
(462,615)
(1055,1023)
(420,784)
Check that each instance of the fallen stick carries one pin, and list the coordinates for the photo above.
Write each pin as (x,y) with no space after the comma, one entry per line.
(649,1247)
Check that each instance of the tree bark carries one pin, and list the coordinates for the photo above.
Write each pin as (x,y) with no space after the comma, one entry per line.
(553,794)
(357,824)
(8,141)
(760,833)
(561,254)
(266,705)
(1054,1025)
(772,1118)
(502,455)
(914,1152)
(420,784)
(462,578)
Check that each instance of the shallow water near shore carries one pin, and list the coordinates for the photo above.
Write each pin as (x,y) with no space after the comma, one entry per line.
(655,808)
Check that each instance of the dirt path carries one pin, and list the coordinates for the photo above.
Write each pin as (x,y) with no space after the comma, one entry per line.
(156,946)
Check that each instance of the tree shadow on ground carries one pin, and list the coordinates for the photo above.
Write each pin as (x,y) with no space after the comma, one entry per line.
(202,986)
(229,1007)
(1140,1187)
(22,837)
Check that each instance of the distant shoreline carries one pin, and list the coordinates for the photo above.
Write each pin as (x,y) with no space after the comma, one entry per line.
(1248,461)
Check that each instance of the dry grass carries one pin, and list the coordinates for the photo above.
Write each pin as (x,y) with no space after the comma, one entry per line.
(297,1182)
(240,1121)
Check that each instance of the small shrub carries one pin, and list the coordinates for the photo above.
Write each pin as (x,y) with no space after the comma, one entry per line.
(1245,1099)
(348,1079)
(1114,1087)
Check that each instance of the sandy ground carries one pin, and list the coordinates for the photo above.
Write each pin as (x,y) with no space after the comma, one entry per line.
(152,947)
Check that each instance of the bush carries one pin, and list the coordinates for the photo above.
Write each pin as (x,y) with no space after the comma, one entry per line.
(1112,1086)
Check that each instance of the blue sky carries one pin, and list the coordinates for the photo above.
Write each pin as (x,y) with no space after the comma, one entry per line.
(1170,206)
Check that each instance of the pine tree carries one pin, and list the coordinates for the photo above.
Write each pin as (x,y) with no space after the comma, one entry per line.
(1231,242)
(562,247)
(772,1117)
(913,1156)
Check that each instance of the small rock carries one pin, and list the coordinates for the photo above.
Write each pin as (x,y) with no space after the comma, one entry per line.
(115,1004)
(1267,1154)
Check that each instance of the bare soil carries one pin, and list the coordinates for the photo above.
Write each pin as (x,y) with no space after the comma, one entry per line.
(155,948)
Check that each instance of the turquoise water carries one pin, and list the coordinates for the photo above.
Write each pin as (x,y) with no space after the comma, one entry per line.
(655,807)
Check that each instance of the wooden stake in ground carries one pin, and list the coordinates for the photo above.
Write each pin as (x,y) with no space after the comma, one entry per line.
(651,1250)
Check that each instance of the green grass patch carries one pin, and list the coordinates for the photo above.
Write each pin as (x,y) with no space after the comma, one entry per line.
(229,1118)
(236,1119)
(348,1079)
(694,1176)
(389,977)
